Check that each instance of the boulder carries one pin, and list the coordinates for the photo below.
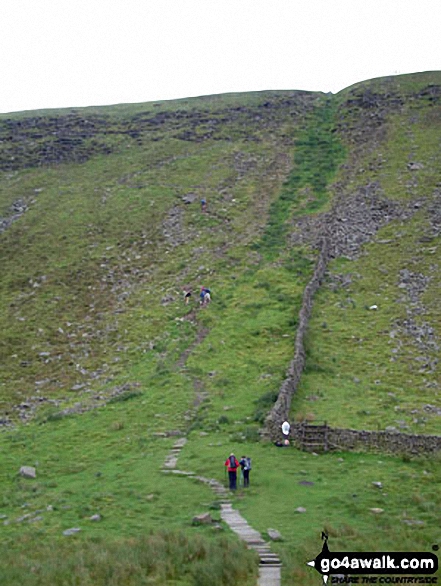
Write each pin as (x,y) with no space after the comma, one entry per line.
(189,198)
(28,472)
(414,166)
(300,510)
(202,519)
(274,535)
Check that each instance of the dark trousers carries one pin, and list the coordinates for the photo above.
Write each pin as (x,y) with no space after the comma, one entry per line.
(233,477)
(246,477)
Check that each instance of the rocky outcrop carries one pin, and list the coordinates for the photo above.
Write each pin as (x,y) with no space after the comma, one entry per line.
(50,140)
(17,209)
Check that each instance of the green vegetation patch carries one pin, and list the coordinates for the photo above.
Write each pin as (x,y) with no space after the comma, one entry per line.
(301,495)
(318,152)
(164,557)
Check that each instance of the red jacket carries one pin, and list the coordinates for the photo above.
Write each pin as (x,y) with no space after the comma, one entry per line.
(231,468)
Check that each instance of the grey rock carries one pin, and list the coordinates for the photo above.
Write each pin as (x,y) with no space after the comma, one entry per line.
(77,387)
(36,519)
(415,166)
(189,198)
(274,535)
(167,299)
(378,484)
(413,522)
(202,519)
(28,472)
(71,531)
(95,518)
(300,510)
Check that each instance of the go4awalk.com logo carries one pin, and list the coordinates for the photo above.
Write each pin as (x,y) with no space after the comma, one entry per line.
(351,568)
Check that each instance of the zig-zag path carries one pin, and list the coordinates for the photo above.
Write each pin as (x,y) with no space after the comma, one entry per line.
(269,564)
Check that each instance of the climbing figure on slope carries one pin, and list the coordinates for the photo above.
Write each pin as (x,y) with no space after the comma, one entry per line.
(187,295)
(205,296)
(203,205)
(245,464)
(232,466)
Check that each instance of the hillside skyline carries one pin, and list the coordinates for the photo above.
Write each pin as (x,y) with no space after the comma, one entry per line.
(96,53)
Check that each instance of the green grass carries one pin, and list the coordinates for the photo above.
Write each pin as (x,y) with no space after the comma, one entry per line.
(163,558)
(91,294)
(338,501)
(318,152)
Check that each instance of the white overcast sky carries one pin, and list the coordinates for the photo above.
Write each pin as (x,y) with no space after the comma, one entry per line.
(66,53)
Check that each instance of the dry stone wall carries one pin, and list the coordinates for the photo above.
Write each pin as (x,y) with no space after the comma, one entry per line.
(384,441)
(281,408)
(351,223)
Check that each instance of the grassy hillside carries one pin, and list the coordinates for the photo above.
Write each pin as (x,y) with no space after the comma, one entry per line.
(382,365)
(101,229)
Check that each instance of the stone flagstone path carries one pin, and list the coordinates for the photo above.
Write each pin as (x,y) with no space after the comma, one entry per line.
(270,565)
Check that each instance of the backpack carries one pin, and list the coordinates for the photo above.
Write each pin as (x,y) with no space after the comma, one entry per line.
(247,464)
(232,462)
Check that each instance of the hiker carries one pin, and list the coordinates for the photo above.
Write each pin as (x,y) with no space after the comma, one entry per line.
(232,466)
(203,205)
(187,295)
(245,464)
(205,295)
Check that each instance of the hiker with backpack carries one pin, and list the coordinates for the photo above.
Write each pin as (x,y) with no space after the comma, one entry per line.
(205,295)
(245,464)
(232,466)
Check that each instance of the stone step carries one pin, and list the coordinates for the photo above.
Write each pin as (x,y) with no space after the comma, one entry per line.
(180,443)
(269,576)
(267,558)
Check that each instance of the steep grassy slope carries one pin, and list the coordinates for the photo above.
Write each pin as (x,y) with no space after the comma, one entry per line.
(91,308)
(92,304)
(93,270)
(380,368)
